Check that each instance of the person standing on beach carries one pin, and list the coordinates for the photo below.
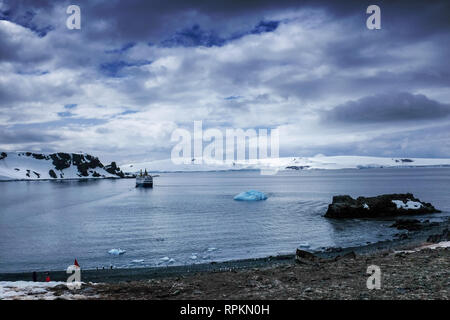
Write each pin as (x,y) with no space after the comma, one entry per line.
(47,278)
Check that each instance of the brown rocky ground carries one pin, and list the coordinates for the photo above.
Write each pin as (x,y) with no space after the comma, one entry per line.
(423,274)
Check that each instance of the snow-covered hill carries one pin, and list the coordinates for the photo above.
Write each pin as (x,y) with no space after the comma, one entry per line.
(287,163)
(39,166)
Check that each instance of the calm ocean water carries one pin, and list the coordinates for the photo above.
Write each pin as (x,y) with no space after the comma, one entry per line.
(192,217)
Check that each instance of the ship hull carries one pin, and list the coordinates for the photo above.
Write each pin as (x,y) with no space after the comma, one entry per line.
(144,185)
(146,182)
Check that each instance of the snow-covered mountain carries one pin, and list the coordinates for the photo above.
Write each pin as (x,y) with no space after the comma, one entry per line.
(39,166)
(286,163)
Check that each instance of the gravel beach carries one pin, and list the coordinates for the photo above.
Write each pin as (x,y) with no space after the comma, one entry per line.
(424,274)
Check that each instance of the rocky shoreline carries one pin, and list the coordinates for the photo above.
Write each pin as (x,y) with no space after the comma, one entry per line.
(423,274)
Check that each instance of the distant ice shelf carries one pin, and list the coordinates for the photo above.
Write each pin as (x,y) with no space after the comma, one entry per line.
(286,164)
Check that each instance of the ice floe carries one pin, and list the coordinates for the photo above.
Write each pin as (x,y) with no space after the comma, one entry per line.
(116,252)
(137,261)
(251,195)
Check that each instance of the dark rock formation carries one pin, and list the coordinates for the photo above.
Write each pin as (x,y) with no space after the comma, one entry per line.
(413,224)
(297,167)
(114,169)
(61,160)
(38,156)
(96,174)
(445,236)
(305,257)
(375,207)
(404,160)
(348,255)
(86,165)
(407,224)
(52,174)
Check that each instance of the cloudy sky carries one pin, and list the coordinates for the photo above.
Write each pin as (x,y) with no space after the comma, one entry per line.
(137,70)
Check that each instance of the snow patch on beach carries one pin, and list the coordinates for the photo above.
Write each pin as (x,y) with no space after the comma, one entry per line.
(442,244)
(28,290)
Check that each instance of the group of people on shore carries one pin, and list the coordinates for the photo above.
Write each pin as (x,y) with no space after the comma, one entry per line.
(47,276)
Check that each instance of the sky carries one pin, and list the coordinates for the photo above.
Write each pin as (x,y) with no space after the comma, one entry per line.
(137,70)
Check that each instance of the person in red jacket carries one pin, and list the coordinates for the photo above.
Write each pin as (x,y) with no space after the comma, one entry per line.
(47,277)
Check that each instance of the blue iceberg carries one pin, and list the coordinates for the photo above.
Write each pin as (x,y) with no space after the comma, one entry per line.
(251,195)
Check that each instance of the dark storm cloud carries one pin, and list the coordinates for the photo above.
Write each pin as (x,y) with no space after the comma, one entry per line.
(13,136)
(389,107)
(154,21)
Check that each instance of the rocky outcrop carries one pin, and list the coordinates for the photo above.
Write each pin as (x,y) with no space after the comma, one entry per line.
(413,224)
(444,236)
(61,165)
(374,207)
(306,257)
(52,174)
(407,224)
(297,167)
(114,169)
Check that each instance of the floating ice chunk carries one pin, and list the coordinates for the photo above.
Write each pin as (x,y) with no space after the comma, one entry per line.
(193,257)
(165,259)
(366,206)
(251,195)
(137,261)
(304,245)
(408,205)
(211,249)
(116,252)
(172,260)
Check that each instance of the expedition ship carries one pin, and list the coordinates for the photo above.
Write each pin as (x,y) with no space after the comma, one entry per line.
(144,180)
